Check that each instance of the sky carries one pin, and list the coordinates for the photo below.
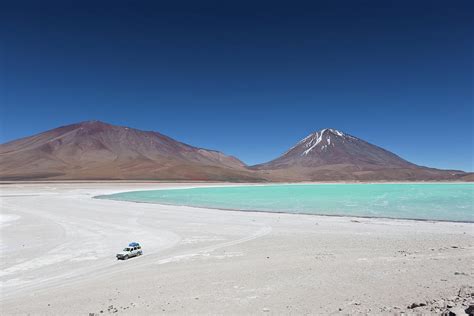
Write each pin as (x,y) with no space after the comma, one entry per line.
(246,78)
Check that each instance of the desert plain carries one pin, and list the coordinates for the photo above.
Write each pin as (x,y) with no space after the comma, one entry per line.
(58,246)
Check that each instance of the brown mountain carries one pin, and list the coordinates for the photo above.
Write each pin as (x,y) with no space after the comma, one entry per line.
(96,150)
(329,155)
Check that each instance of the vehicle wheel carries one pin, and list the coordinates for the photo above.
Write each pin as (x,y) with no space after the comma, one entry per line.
(125,258)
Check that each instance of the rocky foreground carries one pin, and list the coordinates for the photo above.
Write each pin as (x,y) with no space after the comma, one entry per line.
(457,305)
(460,304)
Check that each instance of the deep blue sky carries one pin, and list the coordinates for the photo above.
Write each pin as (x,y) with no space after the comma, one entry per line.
(244,78)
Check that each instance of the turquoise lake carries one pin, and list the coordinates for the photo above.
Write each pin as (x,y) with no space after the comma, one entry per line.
(448,202)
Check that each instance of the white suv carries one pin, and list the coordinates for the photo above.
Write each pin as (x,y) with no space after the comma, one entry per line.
(134,249)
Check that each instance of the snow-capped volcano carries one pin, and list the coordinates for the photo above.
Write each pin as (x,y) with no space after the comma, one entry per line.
(321,140)
(333,147)
(330,154)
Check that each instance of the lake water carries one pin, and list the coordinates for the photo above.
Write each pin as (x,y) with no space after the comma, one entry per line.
(450,202)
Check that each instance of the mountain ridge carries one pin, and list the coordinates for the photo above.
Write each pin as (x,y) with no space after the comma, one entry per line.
(97,150)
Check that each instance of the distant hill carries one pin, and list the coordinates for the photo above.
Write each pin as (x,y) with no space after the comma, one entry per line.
(331,155)
(95,150)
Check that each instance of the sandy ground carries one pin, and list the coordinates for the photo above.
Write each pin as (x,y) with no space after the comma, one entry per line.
(58,248)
